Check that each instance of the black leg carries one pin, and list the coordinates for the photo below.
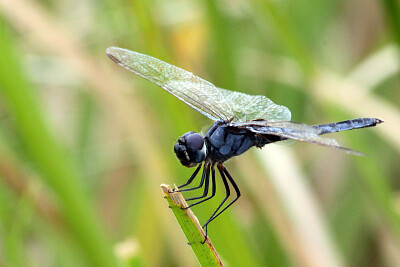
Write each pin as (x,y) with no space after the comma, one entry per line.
(225,171)
(203,177)
(206,185)
(213,189)
(227,191)
(192,178)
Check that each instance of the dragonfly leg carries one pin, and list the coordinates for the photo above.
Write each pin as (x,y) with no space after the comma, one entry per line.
(190,180)
(225,171)
(206,172)
(227,193)
(213,189)
(204,177)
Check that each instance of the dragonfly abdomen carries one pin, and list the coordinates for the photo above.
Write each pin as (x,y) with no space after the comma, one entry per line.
(347,125)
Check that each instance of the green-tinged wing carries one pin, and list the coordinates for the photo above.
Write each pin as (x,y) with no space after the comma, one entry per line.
(251,107)
(199,94)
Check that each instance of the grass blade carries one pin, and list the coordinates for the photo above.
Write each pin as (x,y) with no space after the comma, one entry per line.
(205,253)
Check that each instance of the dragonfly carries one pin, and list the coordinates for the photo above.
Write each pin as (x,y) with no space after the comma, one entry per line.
(241,121)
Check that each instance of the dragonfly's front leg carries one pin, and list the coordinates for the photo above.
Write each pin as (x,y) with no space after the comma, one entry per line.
(203,178)
(190,180)
(213,188)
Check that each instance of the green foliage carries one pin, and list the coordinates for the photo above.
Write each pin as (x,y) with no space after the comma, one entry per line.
(84,144)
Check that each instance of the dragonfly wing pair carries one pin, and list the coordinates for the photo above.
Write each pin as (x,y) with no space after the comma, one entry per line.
(220,104)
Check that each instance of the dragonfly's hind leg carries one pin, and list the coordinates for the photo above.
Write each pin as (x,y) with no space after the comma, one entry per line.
(224,174)
(227,193)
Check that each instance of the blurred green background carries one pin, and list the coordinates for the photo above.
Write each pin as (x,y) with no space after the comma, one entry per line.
(84,144)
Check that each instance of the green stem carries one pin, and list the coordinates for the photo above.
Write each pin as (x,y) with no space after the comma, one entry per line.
(204,251)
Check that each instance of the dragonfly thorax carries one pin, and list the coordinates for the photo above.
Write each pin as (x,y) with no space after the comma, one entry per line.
(190,149)
(224,142)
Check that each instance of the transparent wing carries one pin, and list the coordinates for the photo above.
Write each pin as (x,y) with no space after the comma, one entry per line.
(199,94)
(251,107)
(295,131)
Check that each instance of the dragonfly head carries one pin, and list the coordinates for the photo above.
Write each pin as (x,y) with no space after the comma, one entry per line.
(190,149)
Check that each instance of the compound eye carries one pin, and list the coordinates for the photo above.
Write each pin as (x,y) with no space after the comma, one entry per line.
(195,142)
(177,148)
(190,149)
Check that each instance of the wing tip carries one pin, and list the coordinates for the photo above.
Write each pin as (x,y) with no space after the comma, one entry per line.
(110,51)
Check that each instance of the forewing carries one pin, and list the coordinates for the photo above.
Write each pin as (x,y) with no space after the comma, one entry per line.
(199,94)
(294,131)
(251,107)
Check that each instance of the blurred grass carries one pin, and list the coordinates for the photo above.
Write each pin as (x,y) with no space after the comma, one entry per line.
(98,158)
(57,169)
(392,10)
(286,33)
